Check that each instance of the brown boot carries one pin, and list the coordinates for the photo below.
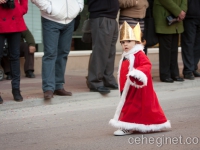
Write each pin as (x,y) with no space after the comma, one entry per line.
(48,95)
(62,92)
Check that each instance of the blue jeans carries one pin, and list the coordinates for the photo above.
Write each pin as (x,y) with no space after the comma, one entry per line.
(13,40)
(57,42)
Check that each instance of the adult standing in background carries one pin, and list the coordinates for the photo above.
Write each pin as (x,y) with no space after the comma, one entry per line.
(190,40)
(58,27)
(104,31)
(133,11)
(168,36)
(147,26)
(11,26)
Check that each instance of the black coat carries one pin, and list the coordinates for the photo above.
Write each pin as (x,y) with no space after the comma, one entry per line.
(193,9)
(103,8)
(149,11)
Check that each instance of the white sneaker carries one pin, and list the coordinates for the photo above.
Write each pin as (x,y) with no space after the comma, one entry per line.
(123,132)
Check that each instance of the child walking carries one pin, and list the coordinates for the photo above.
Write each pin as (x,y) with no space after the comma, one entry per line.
(138,109)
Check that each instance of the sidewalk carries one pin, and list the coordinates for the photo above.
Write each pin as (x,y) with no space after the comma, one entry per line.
(31,89)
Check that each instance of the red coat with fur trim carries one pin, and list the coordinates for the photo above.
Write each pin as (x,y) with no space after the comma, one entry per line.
(11,20)
(139,108)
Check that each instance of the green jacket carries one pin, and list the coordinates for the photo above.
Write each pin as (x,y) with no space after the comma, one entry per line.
(164,8)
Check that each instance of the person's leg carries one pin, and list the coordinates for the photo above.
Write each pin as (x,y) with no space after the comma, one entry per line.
(64,45)
(14,54)
(50,35)
(143,40)
(1,100)
(5,63)
(109,79)
(29,60)
(174,70)
(2,38)
(165,41)
(197,45)
(145,50)
(187,46)
(100,52)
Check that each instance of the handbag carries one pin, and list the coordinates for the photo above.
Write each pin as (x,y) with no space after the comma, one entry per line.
(86,29)
(149,28)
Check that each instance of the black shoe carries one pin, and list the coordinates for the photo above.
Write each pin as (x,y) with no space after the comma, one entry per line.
(189,76)
(168,80)
(179,79)
(112,87)
(30,74)
(1,100)
(9,77)
(17,96)
(196,73)
(101,89)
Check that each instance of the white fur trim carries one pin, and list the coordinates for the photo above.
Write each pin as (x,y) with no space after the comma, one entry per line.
(135,49)
(138,75)
(140,127)
(122,101)
(130,55)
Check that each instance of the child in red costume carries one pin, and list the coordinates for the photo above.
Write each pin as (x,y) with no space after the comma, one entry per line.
(138,109)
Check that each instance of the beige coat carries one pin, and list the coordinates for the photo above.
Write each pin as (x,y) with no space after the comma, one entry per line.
(133,8)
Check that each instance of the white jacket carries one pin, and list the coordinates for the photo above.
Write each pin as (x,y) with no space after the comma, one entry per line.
(61,11)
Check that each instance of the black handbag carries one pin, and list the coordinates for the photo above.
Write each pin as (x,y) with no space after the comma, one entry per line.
(149,28)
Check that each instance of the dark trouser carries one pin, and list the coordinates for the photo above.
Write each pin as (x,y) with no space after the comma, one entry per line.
(5,63)
(101,65)
(24,52)
(14,52)
(190,43)
(29,57)
(168,55)
(145,50)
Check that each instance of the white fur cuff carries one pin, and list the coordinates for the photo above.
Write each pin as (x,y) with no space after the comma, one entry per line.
(138,75)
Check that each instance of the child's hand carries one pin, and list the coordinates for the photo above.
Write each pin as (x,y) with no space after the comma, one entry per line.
(137,78)
(137,81)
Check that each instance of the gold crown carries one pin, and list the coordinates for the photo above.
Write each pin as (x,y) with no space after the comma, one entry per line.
(128,33)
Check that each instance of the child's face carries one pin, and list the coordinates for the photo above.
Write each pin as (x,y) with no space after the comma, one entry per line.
(127,45)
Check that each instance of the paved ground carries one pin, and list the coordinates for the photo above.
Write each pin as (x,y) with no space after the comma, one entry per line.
(80,122)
